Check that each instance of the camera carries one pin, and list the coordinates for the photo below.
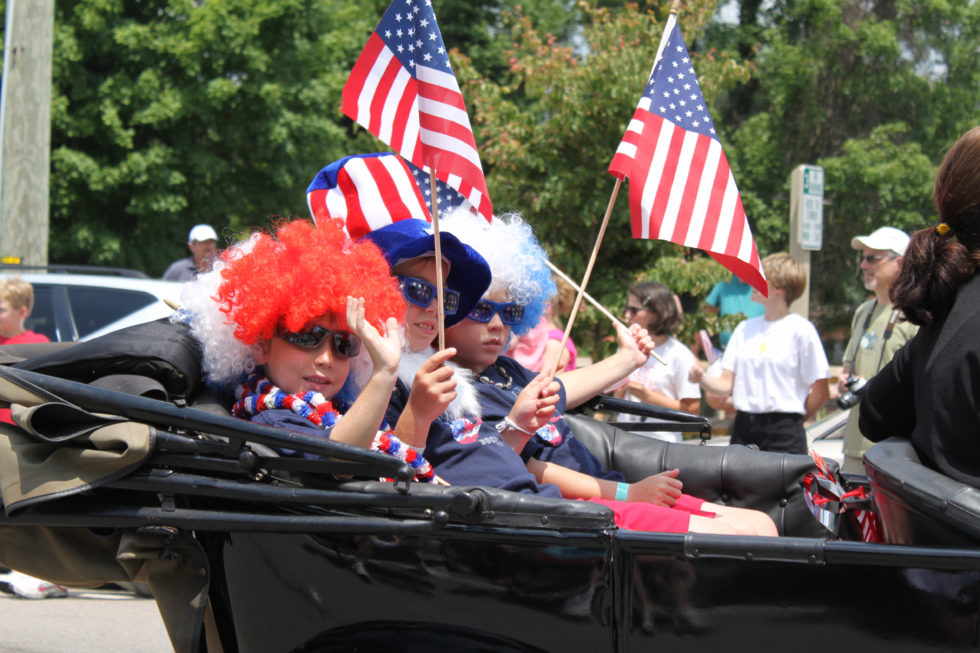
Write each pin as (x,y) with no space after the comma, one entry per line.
(855,386)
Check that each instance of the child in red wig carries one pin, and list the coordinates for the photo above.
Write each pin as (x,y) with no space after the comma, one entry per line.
(306,321)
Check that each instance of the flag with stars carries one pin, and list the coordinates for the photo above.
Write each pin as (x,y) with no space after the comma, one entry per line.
(681,188)
(447,198)
(403,90)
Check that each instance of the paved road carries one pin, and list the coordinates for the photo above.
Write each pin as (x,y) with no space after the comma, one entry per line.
(100,621)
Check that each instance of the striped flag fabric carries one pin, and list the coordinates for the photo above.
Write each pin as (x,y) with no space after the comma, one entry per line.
(402,89)
(681,187)
(367,192)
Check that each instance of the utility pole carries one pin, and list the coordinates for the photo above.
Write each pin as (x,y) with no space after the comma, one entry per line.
(25,131)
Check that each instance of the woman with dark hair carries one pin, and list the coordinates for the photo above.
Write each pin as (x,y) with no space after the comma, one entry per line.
(652,306)
(930,391)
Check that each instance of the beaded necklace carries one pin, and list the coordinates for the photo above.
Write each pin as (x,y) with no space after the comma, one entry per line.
(258,394)
(503,385)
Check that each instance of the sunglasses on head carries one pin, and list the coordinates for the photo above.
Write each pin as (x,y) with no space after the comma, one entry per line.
(344,343)
(421,293)
(510,312)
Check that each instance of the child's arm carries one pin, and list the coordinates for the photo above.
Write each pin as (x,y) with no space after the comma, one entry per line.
(660,489)
(433,390)
(361,422)
(581,384)
(717,385)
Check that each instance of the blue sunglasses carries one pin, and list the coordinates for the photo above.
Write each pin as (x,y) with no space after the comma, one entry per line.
(421,293)
(510,312)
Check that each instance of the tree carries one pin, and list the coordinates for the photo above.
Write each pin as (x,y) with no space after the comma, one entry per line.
(549,130)
(171,112)
(875,91)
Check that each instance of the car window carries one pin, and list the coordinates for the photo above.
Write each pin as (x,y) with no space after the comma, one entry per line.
(94,308)
(42,319)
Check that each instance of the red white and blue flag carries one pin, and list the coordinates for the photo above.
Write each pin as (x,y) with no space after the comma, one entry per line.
(681,187)
(403,90)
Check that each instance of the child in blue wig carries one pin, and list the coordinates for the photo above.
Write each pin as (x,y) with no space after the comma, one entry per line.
(560,465)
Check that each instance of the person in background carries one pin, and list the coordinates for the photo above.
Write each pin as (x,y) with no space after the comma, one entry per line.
(16,304)
(774,366)
(537,349)
(651,305)
(203,243)
(929,391)
(728,298)
(878,330)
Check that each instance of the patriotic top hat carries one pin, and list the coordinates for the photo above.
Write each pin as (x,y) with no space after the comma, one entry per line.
(377,198)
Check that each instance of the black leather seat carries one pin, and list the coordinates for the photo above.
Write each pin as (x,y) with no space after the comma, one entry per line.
(732,475)
(917,504)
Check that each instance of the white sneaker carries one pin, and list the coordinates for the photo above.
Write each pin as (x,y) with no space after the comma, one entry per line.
(29,587)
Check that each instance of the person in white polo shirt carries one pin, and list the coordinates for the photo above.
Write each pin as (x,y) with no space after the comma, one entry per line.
(203,243)
(774,367)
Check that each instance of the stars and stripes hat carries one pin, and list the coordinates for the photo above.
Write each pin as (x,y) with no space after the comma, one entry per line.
(378,198)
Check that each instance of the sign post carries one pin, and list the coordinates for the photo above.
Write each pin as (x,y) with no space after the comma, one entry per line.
(806,224)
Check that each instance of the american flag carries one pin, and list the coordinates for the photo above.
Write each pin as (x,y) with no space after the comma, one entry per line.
(367,192)
(447,199)
(403,90)
(681,188)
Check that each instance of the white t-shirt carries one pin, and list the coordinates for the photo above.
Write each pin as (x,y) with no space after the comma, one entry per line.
(670,379)
(775,363)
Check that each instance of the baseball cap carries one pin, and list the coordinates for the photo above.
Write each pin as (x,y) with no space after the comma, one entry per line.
(883,238)
(200,233)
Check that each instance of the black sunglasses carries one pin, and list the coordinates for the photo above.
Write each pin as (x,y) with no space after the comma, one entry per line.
(510,312)
(344,343)
(421,293)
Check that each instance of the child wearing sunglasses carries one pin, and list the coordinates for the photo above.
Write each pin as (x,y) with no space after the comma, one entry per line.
(560,464)
(307,323)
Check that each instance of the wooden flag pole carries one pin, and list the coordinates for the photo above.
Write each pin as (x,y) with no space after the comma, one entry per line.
(588,272)
(440,309)
(602,309)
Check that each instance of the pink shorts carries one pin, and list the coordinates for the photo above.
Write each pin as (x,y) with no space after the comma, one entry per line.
(640,516)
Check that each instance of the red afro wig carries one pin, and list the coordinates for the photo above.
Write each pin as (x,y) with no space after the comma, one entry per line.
(301,273)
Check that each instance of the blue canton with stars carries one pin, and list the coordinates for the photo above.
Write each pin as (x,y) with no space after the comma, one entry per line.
(410,31)
(674,91)
(448,198)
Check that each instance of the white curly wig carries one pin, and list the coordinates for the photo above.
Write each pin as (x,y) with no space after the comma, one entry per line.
(517,262)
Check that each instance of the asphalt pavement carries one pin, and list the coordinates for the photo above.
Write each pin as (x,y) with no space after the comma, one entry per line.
(100,620)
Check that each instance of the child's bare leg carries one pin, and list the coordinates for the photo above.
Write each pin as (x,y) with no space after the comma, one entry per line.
(745,521)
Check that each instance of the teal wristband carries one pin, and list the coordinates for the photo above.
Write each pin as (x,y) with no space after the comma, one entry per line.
(622,491)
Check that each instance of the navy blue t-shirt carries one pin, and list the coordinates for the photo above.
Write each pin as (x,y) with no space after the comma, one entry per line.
(497,403)
(465,453)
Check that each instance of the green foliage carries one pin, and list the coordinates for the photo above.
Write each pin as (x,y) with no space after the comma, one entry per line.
(549,128)
(171,112)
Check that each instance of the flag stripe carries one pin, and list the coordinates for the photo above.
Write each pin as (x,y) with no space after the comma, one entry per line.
(402,89)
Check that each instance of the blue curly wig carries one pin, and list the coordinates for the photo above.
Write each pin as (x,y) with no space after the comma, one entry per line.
(517,262)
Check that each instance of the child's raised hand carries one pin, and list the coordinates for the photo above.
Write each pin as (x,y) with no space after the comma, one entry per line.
(434,386)
(386,350)
(635,342)
(535,404)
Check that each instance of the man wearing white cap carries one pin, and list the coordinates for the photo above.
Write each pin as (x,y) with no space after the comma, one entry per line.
(203,243)
(877,331)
